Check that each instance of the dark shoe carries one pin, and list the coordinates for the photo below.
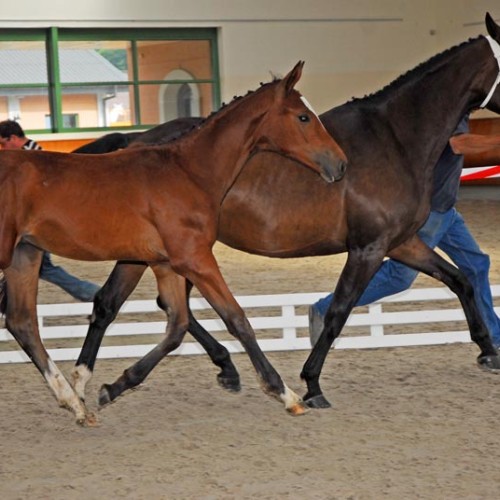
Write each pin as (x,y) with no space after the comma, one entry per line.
(316,323)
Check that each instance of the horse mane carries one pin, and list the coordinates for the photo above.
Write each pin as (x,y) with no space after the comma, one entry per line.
(410,74)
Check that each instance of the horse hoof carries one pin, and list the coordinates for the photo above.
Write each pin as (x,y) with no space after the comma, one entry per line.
(231,384)
(489,363)
(317,402)
(90,420)
(298,409)
(104,396)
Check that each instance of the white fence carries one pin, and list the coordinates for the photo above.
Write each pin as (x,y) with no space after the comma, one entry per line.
(283,327)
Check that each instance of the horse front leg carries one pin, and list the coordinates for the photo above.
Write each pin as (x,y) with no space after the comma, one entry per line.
(361,265)
(21,281)
(120,284)
(172,290)
(418,255)
(228,377)
(204,273)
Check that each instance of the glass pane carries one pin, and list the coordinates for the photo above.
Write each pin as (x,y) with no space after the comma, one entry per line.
(98,106)
(95,61)
(28,106)
(162,103)
(22,63)
(174,60)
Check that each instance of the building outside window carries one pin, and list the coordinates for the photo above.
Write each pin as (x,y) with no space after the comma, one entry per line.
(75,79)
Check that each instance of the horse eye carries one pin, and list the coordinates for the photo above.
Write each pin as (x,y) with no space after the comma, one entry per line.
(304,118)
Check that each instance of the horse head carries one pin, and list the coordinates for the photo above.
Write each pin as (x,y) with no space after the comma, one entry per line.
(290,127)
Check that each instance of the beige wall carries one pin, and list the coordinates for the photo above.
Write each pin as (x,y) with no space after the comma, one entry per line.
(351,48)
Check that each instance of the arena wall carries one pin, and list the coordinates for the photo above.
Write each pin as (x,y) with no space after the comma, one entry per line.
(350,48)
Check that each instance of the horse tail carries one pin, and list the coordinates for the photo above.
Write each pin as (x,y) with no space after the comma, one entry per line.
(3,293)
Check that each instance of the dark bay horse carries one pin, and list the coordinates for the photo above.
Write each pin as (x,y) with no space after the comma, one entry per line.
(393,139)
(157,205)
(157,135)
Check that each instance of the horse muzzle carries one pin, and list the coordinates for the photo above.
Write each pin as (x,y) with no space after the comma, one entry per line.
(332,168)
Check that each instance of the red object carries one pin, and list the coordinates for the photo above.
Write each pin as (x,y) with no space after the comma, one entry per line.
(481,174)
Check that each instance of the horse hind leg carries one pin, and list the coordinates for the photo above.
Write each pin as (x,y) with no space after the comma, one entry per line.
(416,254)
(21,321)
(120,284)
(172,289)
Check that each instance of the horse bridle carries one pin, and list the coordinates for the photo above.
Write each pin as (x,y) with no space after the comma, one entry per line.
(495,47)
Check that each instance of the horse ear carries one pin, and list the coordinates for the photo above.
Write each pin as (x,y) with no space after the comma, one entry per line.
(293,77)
(492,27)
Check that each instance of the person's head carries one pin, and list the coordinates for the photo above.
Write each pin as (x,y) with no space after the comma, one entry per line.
(11,135)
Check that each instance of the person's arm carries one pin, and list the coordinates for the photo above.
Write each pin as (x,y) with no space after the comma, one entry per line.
(478,150)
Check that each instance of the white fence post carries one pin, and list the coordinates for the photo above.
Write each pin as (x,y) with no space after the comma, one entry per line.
(376,330)
(290,332)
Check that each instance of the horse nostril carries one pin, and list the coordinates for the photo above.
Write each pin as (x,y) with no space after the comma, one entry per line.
(343,167)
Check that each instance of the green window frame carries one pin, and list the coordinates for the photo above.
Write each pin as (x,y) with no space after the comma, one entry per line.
(135,81)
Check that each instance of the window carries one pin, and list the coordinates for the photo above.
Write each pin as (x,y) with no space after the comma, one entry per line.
(179,99)
(184,97)
(69,121)
(66,80)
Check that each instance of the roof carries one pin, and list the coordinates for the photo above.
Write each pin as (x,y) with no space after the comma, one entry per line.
(81,65)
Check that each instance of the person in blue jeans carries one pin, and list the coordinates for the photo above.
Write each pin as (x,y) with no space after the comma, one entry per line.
(12,136)
(445,229)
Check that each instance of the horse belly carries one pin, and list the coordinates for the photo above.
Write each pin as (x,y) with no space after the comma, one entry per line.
(280,209)
(99,242)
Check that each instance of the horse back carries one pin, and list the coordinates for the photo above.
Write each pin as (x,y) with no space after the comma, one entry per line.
(74,205)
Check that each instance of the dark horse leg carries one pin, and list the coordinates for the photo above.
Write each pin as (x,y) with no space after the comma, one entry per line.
(360,266)
(228,377)
(416,254)
(413,253)
(19,305)
(172,290)
(118,287)
(207,278)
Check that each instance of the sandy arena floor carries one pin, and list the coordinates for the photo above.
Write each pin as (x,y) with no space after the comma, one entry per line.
(407,423)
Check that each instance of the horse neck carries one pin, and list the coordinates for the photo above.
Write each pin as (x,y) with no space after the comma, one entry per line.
(420,111)
(214,154)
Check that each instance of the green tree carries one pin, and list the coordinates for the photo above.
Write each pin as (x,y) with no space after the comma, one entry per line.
(117,57)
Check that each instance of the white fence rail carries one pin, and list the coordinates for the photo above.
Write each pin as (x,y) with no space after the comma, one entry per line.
(283,327)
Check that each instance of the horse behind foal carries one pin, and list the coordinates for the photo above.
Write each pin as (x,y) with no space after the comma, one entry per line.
(375,211)
(86,207)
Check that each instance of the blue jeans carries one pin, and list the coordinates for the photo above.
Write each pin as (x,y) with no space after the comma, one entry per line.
(448,232)
(81,290)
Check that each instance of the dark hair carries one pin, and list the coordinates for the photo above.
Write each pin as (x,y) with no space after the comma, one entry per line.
(10,127)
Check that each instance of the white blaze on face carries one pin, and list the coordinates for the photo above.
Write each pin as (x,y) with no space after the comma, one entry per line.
(308,106)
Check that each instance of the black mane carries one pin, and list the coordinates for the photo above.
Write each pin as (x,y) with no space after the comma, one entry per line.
(412,73)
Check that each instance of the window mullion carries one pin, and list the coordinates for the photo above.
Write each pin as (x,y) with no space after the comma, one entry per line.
(54,79)
(135,74)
